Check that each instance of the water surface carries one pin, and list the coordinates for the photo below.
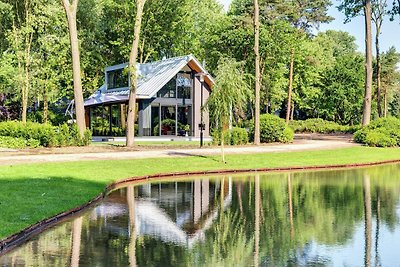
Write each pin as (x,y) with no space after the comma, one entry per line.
(323,218)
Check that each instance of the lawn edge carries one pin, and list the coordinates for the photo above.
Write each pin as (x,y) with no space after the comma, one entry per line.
(9,243)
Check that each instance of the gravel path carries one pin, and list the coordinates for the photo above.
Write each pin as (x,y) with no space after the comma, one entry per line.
(298,145)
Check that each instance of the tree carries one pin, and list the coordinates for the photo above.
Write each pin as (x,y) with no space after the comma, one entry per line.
(378,13)
(353,8)
(130,130)
(231,90)
(391,82)
(70,10)
(258,74)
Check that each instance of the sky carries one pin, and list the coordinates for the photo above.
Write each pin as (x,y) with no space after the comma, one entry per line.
(390,30)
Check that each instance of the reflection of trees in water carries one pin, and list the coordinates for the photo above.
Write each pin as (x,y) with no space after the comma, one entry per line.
(226,244)
(271,221)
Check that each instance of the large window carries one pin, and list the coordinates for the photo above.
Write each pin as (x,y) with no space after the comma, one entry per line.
(117,79)
(184,86)
(169,90)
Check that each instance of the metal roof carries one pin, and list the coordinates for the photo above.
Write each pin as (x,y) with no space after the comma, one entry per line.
(151,78)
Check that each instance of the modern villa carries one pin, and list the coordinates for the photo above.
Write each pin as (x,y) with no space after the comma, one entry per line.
(170,94)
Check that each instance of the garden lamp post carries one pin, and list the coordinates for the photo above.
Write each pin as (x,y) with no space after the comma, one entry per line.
(201,75)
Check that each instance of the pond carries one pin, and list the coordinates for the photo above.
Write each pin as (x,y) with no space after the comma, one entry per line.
(319,218)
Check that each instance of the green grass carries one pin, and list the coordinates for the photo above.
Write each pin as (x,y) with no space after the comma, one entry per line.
(33,192)
(154,143)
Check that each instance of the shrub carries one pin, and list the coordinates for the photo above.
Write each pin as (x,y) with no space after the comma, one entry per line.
(383,132)
(17,142)
(45,134)
(273,129)
(238,136)
(321,126)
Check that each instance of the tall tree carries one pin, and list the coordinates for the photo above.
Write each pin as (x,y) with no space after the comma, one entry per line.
(299,15)
(353,8)
(130,125)
(378,13)
(258,74)
(70,10)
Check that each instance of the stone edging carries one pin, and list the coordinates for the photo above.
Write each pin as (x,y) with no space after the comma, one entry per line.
(12,241)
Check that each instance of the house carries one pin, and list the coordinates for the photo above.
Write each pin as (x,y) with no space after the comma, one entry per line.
(170,94)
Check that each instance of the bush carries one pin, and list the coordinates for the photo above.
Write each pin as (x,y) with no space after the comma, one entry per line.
(238,136)
(17,142)
(45,134)
(273,129)
(383,132)
(321,126)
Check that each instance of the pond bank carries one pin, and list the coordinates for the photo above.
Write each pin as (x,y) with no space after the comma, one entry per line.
(32,193)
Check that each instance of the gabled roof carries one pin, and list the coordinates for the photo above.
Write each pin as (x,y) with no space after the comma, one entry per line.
(151,78)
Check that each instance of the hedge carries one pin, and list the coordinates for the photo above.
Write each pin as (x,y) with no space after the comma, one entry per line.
(383,132)
(273,129)
(46,134)
(17,142)
(237,136)
(321,126)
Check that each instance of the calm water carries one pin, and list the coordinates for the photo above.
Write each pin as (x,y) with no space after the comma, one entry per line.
(326,218)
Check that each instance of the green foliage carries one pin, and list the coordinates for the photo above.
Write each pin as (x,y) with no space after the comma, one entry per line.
(18,142)
(52,117)
(45,134)
(320,126)
(383,132)
(237,136)
(231,91)
(273,129)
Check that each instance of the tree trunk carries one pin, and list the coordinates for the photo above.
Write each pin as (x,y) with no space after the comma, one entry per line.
(70,10)
(378,23)
(132,225)
(76,241)
(45,104)
(258,74)
(385,102)
(367,220)
(368,64)
(257,205)
(130,125)
(290,205)
(222,145)
(289,100)
(27,59)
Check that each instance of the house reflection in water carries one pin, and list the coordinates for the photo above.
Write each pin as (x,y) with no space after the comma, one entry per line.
(177,213)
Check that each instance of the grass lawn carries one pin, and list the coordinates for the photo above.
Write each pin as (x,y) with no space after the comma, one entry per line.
(154,143)
(30,193)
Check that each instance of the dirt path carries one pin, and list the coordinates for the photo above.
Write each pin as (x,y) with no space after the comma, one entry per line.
(301,143)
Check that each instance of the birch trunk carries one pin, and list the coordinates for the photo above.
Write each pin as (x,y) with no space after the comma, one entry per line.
(70,10)
(130,125)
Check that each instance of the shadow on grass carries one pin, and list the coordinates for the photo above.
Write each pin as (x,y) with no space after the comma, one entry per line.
(26,201)
(183,154)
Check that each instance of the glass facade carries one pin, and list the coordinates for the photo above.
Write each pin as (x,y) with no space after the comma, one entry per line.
(109,120)
(169,90)
(117,79)
(168,115)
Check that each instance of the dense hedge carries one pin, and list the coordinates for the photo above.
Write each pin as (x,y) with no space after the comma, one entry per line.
(321,126)
(383,132)
(17,142)
(273,129)
(45,134)
(237,136)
